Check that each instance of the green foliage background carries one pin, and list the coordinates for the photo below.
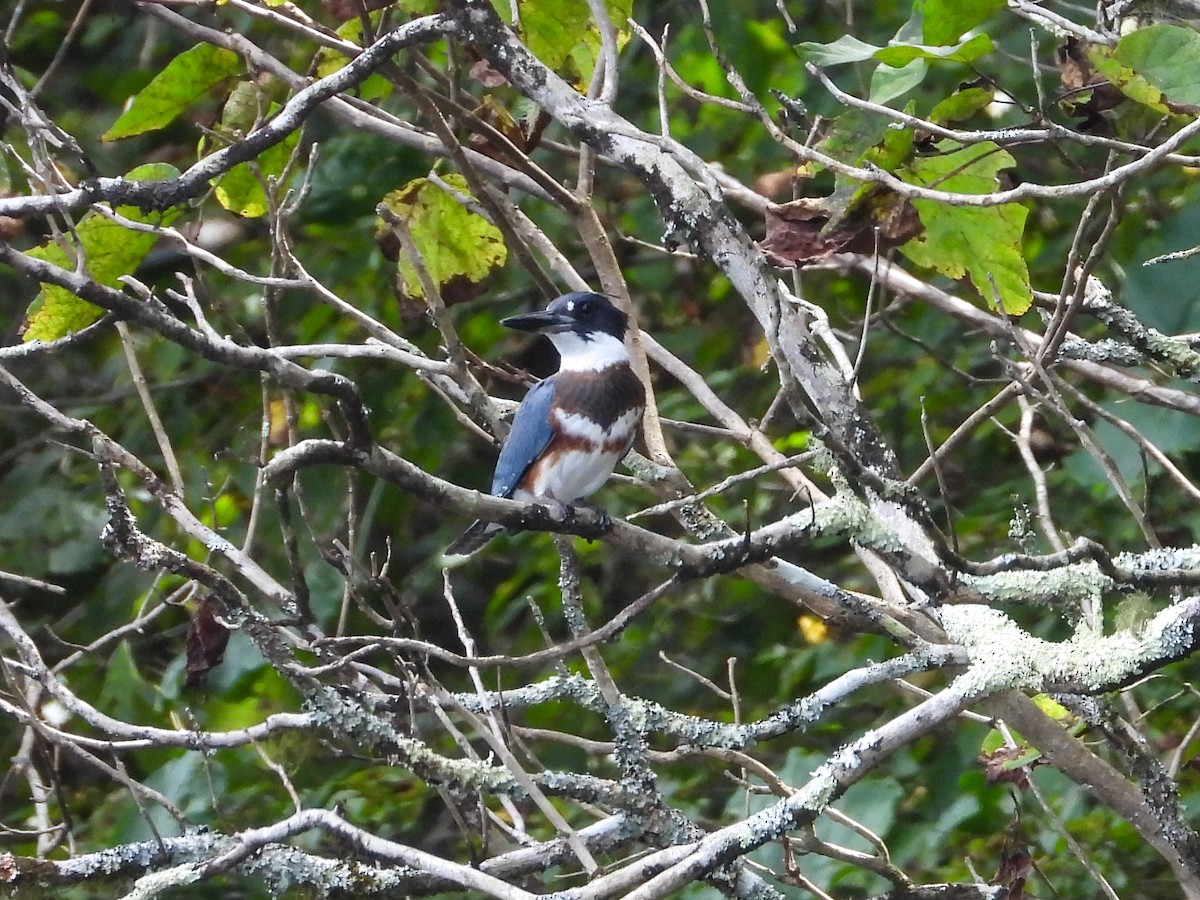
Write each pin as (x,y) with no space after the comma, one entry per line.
(929,802)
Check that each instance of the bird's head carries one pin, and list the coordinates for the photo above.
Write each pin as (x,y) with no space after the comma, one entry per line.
(586,328)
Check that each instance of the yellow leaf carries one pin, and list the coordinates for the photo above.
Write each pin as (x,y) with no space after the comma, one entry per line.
(277,436)
(814,630)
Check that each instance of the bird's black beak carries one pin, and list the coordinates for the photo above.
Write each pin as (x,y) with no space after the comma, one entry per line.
(543,322)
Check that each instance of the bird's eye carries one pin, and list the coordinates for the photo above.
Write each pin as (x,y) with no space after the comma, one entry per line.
(585,308)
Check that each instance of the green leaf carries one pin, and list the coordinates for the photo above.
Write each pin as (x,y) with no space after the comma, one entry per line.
(852,135)
(1027,758)
(967,51)
(945,21)
(124,691)
(968,170)
(995,740)
(856,137)
(109,251)
(583,56)
(375,87)
(846,49)
(241,189)
(897,55)
(1168,56)
(551,28)
(893,146)
(982,243)
(889,82)
(563,35)
(1059,713)
(452,241)
(1051,707)
(243,109)
(1165,57)
(961,105)
(1129,82)
(896,147)
(186,78)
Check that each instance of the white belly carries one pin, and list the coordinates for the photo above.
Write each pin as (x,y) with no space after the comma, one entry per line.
(577,474)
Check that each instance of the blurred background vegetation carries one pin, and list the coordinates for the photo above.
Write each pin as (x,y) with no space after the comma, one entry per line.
(923,371)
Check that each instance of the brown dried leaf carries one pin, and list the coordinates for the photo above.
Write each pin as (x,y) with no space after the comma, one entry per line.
(344,10)
(523,132)
(999,768)
(896,219)
(774,184)
(206,641)
(11,228)
(1016,864)
(483,72)
(797,232)
(1085,93)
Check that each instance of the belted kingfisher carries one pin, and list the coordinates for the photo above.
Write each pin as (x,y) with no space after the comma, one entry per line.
(573,428)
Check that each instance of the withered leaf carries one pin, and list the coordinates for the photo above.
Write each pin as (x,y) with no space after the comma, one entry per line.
(1008,765)
(1015,863)
(206,640)
(1085,93)
(523,131)
(797,232)
(1015,866)
(773,184)
(344,10)
(482,71)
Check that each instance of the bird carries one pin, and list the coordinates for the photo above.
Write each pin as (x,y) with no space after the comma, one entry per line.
(572,428)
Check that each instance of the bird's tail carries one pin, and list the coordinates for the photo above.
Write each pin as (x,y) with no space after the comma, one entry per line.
(473,538)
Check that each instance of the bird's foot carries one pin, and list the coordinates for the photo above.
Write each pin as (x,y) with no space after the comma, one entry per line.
(568,514)
(553,512)
(603,520)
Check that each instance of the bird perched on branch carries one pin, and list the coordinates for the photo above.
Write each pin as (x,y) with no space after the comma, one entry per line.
(575,426)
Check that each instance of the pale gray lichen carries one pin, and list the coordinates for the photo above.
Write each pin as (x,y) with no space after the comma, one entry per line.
(1181,559)
(1076,584)
(1005,657)
(218,544)
(154,884)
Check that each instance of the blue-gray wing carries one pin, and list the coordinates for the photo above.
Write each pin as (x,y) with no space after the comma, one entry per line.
(529,437)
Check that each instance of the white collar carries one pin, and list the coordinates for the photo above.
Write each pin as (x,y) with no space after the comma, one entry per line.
(593,354)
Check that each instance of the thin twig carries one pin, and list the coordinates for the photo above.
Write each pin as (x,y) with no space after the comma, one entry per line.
(156,425)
